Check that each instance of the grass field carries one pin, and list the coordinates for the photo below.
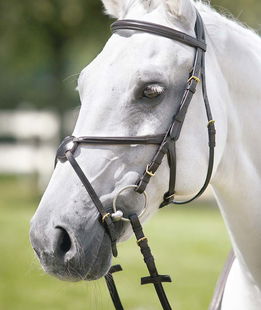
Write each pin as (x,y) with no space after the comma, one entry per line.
(189,243)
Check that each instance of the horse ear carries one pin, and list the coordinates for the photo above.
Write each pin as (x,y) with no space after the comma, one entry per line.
(183,10)
(112,7)
(118,8)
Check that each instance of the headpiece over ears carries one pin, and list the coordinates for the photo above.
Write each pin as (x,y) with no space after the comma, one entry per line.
(181,10)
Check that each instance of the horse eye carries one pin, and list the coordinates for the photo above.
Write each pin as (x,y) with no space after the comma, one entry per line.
(153,91)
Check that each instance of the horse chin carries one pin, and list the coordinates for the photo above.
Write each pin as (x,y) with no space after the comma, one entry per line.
(102,263)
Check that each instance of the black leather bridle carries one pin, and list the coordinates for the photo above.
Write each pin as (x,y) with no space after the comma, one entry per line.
(167,146)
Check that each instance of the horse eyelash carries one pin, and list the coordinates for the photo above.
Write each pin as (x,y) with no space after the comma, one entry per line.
(156,88)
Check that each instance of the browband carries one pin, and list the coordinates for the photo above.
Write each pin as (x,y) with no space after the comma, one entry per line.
(159,30)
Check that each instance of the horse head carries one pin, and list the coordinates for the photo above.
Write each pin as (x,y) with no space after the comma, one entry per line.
(132,88)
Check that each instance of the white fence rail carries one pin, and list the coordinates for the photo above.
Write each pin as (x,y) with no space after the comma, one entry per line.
(34,136)
(28,143)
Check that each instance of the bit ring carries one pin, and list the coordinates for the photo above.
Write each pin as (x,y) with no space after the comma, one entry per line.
(122,190)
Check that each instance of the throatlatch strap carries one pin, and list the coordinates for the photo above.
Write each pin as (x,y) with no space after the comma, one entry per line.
(173,133)
(199,28)
(154,277)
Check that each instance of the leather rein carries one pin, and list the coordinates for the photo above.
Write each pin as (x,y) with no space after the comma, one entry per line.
(166,146)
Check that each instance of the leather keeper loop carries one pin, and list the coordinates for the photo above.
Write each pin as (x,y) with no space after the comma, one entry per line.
(192,86)
(142,184)
(212,135)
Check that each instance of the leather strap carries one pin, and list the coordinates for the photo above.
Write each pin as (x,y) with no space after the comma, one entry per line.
(173,133)
(167,141)
(112,287)
(167,146)
(154,277)
(156,139)
(159,30)
(106,218)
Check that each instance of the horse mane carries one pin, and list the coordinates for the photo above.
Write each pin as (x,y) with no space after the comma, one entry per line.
(226,18)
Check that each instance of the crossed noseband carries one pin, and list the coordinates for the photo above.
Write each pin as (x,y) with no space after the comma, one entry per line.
(166,146)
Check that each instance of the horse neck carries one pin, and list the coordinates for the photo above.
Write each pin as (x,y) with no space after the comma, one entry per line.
(238,52)
(237,181)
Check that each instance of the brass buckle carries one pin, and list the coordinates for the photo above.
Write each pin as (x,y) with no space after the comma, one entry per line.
(150,173)
(193,77)
(105,216)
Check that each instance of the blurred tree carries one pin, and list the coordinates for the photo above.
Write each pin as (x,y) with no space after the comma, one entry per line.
(45,41)
(35,39)
(246,11)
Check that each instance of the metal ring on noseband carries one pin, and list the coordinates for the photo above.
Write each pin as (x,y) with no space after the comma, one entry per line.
(115,200)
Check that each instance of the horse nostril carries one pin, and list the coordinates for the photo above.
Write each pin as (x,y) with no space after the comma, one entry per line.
(63,240)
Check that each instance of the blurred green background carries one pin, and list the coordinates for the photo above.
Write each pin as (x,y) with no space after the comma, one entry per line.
(189,243)
(44,46)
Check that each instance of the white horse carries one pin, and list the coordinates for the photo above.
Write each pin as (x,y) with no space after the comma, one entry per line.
(132,88)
